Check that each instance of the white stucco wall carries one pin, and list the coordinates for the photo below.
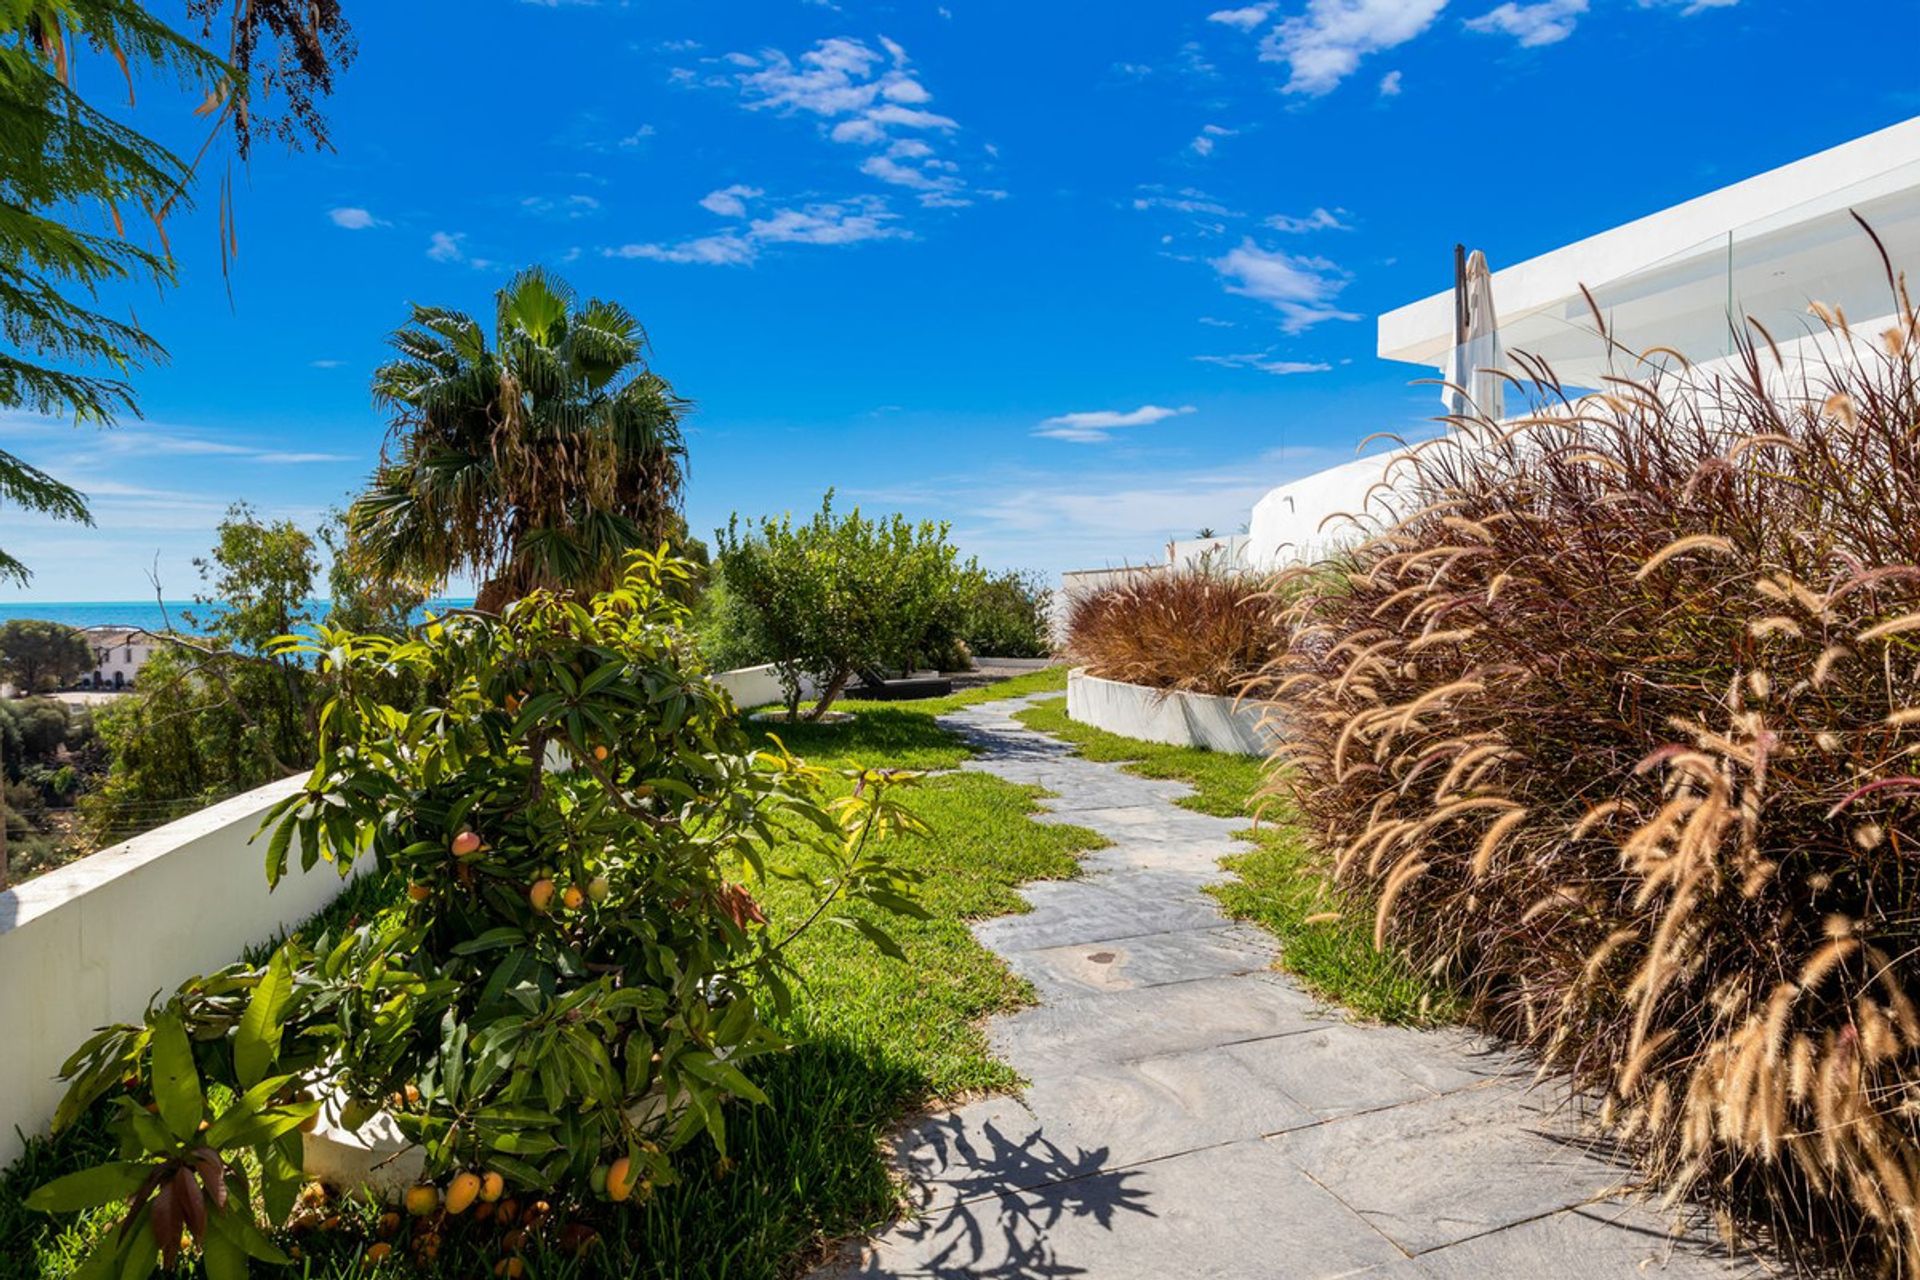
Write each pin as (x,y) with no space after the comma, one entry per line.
(1303,521)
(757,686)
(91,943)
(1161,715)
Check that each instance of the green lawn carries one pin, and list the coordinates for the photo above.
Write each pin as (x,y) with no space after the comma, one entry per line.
(874,1040)
(1326,938)
(901,735)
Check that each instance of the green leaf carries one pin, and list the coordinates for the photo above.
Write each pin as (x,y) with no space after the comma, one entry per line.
(722,1075)
(277,850)
(876,935)
(222,1255)
(102,1184)
(176,1081)
(257,1042)
(503,936)
(236,1226)
(104,1262)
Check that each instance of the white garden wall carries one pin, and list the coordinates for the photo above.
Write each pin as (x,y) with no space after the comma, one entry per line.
(757,686)
(1161,715)
(91,943)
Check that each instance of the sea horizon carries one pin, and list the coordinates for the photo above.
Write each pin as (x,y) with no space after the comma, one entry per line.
(153,615)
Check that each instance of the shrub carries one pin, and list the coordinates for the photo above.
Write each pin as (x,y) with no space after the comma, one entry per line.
(1618,728)
(37,656)
(1009,615)
(577,973)
(725,631)
(1197,630)
(841,594)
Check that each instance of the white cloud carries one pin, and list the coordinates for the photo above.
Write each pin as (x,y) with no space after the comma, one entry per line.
(1542,23)
(325,364)
(1302,289)
(818,223)
(1318,220)
(847,223)
(1094,426)
(1688,7)
(1245,19)
(730,202)
(566,207)
(728,249)
(1186,200)
(1324,45)
(353,218)
(864,97)
(1390,85)
(1265,363)
(638,136)
(1203,142)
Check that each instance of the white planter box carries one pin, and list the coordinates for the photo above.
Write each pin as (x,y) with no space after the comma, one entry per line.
(1177,719)
(90,943)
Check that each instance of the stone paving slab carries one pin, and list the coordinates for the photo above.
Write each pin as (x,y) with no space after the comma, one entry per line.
(1226,1213)
(1070,912)
(1191,1113)
(1145,960)
(1437,1170)
(1124,1026)
(1600,1241)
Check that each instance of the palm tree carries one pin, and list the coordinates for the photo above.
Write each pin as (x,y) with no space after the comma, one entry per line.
(537,463)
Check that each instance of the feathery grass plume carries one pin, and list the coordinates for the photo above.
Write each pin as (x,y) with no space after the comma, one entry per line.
(1196,630)
(1603,728)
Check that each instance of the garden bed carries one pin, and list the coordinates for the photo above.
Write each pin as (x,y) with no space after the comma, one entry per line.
(1169,716)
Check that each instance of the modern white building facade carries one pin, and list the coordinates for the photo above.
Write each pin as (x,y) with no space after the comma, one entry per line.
(1687,279)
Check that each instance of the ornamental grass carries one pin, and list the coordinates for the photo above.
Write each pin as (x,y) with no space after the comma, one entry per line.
(1191,630)
(1617,730)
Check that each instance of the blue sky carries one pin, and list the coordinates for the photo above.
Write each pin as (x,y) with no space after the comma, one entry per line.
(1077,278)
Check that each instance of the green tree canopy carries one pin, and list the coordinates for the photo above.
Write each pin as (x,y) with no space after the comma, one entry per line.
(37,655)
(540,460)
(840,594)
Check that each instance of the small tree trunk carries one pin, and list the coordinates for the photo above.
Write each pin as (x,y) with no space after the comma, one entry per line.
(827,695)
(495,595)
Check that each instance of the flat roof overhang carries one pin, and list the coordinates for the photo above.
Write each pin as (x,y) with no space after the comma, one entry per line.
(1764,248)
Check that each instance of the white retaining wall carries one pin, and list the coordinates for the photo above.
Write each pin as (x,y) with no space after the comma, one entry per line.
(1161,715)
(757,686)
(91,943)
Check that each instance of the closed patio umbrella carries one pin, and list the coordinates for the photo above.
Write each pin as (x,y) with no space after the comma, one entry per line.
(1474,383)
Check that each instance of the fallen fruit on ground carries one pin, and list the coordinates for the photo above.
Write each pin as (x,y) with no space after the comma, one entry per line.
(619,1180)
(462,1192)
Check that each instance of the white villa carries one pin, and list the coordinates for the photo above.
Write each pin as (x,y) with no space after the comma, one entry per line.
(118,654)
(1682,279)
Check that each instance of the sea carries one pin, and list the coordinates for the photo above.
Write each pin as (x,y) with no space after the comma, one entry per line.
(184,615)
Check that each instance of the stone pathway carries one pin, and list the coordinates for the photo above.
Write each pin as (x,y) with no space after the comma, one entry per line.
(1192,1113)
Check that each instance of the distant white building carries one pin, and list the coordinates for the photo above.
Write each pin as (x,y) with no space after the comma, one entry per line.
(118,655)
(1686,279)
